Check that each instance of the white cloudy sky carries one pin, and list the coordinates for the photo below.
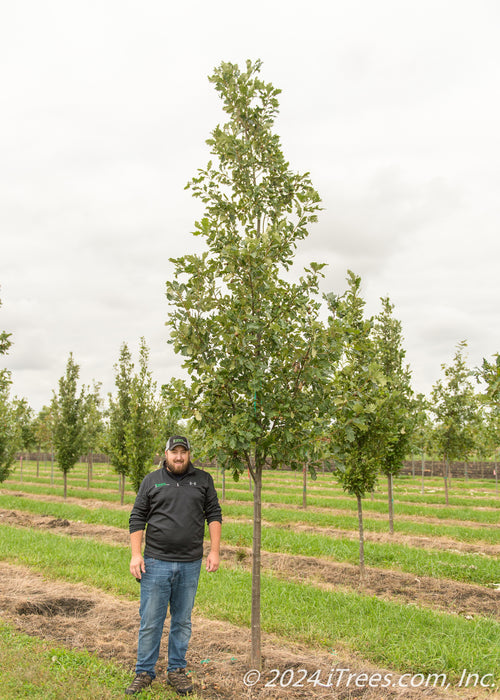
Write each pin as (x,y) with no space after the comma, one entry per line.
(393,106)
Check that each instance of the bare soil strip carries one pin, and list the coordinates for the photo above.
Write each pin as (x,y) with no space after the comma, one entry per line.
(440,594)
(81,617)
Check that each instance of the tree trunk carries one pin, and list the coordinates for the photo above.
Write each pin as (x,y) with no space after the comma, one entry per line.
(390,497)
(65,480)
(224,484)
(21,466)
(445,477)
(51,468)
(423,471)
(304,486)
(38,464)
(361,541)
(255,655)
(122,489)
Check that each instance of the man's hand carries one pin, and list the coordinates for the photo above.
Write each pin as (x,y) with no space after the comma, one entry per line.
(212,561)
(137,567)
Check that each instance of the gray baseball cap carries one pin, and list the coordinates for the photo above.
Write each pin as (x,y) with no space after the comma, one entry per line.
(177,441)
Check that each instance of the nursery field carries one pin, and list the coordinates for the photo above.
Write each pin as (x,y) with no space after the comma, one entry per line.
(424,623)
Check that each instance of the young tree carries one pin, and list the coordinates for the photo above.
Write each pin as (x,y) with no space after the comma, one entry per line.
(422,430)
(118,415)
(25,417)
(140,430)
(9,428)
(251,339)
(93,425)
(68,409)
(358,393)
(396,414)
(132,419)
(44,432)
(166,425)
(489,373)
(454,404)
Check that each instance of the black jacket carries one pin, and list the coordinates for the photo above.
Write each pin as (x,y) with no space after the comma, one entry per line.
(175,510)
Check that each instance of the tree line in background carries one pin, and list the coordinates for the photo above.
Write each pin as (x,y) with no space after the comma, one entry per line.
(270,382)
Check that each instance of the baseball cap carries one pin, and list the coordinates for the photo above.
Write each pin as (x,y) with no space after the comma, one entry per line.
(177,441)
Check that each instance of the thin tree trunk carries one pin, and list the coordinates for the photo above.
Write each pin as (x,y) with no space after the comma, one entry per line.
(122,489)
(65,480)
(304,486)
(21,466)
(361,541)
(423,471)
(38,464)
(412,464)
(390,497)
(224,484)
(445,477)
(52,467)
(255,655)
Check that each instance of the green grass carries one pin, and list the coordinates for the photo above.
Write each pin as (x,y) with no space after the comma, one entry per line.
(340,502)
(58,673)
(320,491)
(284,516)
(83,493)
(279,516)
(470,568)
(402,637)
(96,516)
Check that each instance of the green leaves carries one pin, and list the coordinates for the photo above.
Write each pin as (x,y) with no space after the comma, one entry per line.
(455,407)
(252,341)
(132,417)
(68,411)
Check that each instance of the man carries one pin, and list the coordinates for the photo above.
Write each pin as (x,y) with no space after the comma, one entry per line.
(174,502)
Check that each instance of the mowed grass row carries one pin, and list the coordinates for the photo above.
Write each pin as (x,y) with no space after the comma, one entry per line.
(285,517)
(465,567)
(480,493)
(58,673)
(402,637)
(281,497)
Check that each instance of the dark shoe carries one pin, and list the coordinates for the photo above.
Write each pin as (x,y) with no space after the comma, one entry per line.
(179,681)
(141,681)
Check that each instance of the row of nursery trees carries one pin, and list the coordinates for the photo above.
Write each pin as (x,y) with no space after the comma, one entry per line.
(130,429)
(278,374)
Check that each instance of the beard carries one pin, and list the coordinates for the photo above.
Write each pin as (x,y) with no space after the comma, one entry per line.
(176,467)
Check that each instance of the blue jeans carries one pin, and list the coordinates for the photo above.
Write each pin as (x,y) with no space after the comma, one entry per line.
(164,583)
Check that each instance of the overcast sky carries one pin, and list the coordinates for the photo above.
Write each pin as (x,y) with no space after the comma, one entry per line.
(392,106)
